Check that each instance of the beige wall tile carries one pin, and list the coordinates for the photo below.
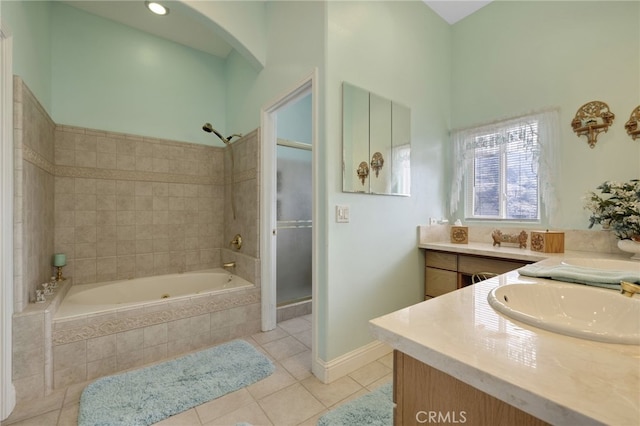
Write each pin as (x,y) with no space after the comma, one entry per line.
(101,347)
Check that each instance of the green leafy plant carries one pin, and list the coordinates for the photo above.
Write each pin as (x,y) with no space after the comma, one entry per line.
(616,208)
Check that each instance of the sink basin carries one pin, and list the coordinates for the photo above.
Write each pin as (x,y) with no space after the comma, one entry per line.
(571,309)
(607,264)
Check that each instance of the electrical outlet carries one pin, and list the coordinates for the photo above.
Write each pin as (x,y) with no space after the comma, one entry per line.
(433,221)
(342,214)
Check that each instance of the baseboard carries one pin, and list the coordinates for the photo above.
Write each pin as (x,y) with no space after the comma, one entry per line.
(332,370)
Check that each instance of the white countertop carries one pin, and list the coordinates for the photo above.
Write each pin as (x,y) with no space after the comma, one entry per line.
(559,379)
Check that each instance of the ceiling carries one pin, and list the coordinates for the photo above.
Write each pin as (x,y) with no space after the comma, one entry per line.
(454,10)
(175,26)
(184,30)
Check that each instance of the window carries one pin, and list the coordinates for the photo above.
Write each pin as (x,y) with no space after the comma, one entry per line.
(505,169)
(503,180)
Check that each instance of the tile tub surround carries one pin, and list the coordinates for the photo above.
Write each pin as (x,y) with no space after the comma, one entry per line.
(32,367)
(149,207)
(33,194)
(119,205)
(93,346)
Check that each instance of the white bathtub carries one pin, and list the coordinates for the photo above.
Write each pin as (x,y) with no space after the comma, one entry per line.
(88,299)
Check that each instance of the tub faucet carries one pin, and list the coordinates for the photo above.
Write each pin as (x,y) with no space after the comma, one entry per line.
(629,289)
(229,265)
(236,242)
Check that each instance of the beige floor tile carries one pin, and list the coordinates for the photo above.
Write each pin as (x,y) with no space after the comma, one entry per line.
(225,404)
(250,414)
(186,418)
(291,405)
(284,348)
(351,397)
(333,392)
(295,325)
(298,365)
(304,337)
(74,392)
(382,381)
(269,336)
(370,373)
(313,421)
(280,379)
(46,419)
(387,360)
(69,415)
(31,409)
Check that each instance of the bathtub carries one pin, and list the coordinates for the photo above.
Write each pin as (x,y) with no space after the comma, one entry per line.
(106,328)
(89,299)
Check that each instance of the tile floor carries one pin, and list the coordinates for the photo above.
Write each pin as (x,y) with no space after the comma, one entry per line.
(290,396)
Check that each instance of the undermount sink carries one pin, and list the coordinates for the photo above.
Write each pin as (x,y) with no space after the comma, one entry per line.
(571,309)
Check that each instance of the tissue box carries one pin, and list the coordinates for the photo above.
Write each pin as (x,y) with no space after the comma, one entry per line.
(460,234)
(547,241)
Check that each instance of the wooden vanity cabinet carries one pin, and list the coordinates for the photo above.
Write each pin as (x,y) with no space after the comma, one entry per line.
(447,271)
(425,395)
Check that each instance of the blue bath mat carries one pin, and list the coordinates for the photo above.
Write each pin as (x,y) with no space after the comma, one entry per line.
(151,394)
(372,409)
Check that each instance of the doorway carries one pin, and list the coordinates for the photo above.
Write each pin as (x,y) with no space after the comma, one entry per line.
(272,115)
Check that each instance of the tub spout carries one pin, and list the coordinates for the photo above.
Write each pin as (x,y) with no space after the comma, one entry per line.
(228,265)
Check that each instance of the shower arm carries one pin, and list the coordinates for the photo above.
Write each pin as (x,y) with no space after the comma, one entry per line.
(207,127)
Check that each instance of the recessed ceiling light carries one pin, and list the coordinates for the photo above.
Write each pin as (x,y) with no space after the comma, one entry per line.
(156,8)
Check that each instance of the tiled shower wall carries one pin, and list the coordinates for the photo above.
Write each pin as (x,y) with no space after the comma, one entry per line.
(129,207)
(33,195)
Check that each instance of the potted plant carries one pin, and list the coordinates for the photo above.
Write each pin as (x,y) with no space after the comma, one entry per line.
(617,208)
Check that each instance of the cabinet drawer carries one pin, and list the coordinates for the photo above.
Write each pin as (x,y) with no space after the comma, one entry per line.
(436,259)
(472,265)
(438,281)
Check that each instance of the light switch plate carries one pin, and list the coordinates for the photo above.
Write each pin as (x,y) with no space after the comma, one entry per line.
(342,214)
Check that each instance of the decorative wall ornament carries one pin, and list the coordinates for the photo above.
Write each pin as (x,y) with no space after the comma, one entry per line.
(633,125)
(591,119)
(377,161)
(363,171)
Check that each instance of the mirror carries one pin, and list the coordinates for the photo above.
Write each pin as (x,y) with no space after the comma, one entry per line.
(376,138)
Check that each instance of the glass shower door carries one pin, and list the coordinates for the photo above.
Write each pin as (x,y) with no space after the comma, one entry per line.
(293,212)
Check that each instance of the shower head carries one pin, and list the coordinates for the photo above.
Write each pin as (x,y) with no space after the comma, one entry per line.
(207,127)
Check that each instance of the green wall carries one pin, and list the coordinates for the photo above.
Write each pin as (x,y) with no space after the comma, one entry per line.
(109,76)
(29,23)
(400,51)
(511,58)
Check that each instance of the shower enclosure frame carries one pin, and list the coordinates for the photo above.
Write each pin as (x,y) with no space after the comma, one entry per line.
(268,222)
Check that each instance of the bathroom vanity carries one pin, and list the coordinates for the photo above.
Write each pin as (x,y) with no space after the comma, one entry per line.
(459,361)
(446,271)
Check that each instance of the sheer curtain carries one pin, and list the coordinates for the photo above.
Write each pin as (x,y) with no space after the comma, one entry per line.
(464,142)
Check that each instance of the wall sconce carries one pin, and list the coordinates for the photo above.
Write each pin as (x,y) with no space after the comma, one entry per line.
(633,126)
(591,119)
(377,162)
(363,171)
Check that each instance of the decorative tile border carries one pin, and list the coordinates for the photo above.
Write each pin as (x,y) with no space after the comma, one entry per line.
(39,161)
(118,325)
(85,172)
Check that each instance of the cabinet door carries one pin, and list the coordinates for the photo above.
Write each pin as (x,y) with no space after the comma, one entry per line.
(472,265)
(438,281)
